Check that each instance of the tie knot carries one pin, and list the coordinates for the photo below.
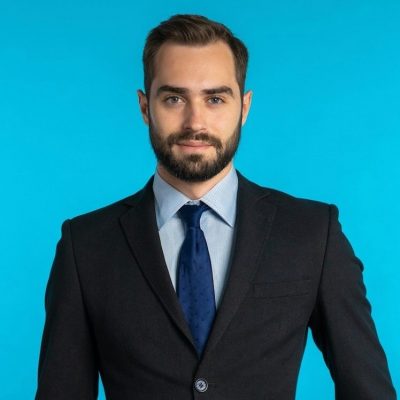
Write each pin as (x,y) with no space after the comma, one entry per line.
(191,214)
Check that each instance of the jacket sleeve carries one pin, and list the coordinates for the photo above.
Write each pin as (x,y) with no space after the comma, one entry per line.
(342,325)
(67,362)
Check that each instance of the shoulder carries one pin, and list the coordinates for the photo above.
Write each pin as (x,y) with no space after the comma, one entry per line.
(291,220)
(107,217)
(290,210)
(279,198)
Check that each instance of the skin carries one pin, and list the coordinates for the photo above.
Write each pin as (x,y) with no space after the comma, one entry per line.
(194,90)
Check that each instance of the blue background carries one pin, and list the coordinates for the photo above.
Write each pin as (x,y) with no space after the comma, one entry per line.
(325,124)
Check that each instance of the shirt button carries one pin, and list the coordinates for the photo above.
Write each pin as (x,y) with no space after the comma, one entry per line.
(201,385)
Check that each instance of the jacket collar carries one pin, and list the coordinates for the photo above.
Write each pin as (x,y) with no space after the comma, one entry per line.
(254,218)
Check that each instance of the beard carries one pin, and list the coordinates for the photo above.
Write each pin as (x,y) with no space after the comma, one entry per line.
(194,167)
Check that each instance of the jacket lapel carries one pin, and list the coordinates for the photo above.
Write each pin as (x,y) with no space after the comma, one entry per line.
(253,224)
(140,227)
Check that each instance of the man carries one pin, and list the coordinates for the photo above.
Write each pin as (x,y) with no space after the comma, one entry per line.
(203,284)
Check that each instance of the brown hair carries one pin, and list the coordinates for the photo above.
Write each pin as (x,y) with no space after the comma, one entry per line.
(192,30)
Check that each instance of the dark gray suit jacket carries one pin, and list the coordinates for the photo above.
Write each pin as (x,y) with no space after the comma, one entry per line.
(111,308)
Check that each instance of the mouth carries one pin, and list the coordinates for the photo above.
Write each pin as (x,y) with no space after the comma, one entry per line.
(193,145)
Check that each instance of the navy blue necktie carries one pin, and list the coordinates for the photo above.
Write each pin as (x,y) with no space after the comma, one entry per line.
(195,282)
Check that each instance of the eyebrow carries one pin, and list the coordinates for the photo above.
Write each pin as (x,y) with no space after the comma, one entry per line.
(181,90)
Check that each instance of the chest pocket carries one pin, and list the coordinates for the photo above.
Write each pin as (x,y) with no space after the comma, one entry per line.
(281,289)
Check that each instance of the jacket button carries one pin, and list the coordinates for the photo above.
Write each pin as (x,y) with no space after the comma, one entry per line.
(201,385)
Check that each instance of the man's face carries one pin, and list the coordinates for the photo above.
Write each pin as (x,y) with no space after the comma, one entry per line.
(194,110)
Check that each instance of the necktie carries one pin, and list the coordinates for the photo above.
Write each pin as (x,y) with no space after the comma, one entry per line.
(195,283)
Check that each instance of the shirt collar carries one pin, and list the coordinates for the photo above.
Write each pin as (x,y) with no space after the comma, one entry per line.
(221,198)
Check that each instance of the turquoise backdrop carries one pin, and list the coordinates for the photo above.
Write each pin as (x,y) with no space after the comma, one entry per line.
(325,125)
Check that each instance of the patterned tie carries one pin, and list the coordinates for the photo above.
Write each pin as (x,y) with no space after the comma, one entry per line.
(195,282)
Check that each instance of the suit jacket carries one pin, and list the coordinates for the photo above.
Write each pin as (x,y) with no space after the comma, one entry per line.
(111,308)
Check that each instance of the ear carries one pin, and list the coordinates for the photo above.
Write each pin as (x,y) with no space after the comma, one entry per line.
(144,106)
(246,105)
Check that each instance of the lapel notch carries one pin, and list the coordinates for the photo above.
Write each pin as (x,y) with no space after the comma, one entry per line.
(140,228)
(254,220)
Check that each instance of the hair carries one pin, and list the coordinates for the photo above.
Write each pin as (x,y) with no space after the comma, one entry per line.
(192,30)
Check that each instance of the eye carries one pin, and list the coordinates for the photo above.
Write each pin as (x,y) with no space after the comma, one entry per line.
(215,100)
(173,99)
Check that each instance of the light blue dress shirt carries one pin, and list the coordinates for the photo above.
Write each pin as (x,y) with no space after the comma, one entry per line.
(218,225)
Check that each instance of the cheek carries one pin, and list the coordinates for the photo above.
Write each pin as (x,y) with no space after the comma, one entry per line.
(164,122)
(226,122)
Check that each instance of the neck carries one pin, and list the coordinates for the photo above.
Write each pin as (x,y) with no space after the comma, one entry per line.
(193,190)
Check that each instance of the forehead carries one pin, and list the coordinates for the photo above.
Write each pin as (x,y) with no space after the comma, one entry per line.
(194,67)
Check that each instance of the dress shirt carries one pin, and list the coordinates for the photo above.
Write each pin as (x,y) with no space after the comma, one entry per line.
(218,225)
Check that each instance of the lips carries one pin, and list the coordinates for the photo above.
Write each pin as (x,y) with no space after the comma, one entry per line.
(194,144)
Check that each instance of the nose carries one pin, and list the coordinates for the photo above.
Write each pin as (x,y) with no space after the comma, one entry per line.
(194,118)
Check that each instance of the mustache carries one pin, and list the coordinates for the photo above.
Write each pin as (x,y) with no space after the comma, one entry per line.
(176,138)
